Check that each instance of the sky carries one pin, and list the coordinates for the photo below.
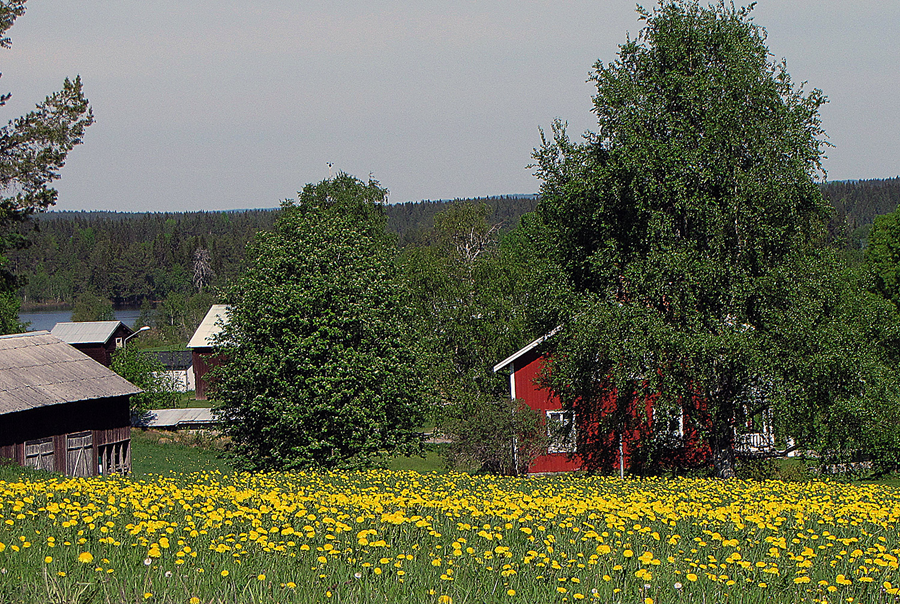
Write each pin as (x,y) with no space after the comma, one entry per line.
(221,104)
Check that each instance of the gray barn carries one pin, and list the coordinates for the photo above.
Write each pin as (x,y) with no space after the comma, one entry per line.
(60,410)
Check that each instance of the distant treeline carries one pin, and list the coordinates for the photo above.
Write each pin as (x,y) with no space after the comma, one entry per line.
(856,204)
(412,221)
(129,258)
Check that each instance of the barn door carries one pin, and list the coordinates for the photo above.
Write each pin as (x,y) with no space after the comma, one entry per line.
(79,454)
(39,454)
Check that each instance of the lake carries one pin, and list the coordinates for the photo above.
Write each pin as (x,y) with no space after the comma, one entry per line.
(46,319)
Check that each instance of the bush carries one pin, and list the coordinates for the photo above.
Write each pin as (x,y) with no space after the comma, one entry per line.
(482,433)
(146,372)
(785,470)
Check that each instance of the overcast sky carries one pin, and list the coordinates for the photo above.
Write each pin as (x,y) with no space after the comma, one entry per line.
(223,104)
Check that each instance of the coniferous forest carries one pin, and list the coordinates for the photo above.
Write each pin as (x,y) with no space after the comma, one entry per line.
(172,264)
(131,259)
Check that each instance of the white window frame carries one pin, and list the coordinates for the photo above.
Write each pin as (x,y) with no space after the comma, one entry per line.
(557,419)
(678,432)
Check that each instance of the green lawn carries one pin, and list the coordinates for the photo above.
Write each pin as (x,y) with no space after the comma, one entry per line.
(154,452)
(432,462)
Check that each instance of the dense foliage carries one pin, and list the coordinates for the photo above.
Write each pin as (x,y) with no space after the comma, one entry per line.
(33,149)
(883,255)
(471,291)
(145,371)
(321,365)
(687,225)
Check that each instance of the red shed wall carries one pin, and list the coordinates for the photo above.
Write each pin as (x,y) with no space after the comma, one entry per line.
(98,352)
(204,359)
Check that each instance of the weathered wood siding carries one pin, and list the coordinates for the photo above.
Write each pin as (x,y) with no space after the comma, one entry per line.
(204,359)
(80,438)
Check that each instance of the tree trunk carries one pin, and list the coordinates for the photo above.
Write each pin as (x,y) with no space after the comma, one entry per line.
(723,459)
(721,442)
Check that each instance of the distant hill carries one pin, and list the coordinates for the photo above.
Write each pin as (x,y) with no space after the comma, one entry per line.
(129,257)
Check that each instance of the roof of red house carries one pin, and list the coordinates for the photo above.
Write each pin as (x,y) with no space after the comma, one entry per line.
(87,332)
(210,326)
(528,348)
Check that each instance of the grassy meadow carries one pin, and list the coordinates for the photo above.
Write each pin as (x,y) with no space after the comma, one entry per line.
(186,528)
(389,536)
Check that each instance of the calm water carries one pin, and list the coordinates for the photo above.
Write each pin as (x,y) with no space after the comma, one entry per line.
(46,319)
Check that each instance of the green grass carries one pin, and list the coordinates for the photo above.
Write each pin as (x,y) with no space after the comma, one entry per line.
(432,462)
(157,453)
(154,452)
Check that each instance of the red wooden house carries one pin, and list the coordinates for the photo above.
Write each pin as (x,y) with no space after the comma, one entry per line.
(606,434)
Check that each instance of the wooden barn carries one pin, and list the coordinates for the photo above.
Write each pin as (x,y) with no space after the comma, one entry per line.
(97,339)
(60,410)
(201,346)
(600,448)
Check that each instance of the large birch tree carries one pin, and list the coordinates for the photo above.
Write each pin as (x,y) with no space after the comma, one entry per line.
(688,226)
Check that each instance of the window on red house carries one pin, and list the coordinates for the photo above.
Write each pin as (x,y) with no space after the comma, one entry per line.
(561,431)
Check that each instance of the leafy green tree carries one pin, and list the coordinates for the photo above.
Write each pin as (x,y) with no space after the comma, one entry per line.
(146,372)
(470,288)
(9,314)
(677,222)
(321,365)
(883,255)
(90,307)
(33,148)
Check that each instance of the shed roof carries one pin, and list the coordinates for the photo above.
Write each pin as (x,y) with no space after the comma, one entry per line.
(173,418)
(175,360)
(39,370)
(210,326)
(87,332)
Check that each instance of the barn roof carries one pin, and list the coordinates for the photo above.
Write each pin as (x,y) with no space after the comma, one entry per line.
(87,332)
(38,370)
(210,326)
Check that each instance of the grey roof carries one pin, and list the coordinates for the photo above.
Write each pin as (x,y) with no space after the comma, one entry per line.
(38,370)
(173,418)
(86,332)
(210,326)
(175,359)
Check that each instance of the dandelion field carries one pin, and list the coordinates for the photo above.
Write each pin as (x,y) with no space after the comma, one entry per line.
(383,536)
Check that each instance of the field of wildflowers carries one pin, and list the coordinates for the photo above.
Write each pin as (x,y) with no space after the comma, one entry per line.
(384,536)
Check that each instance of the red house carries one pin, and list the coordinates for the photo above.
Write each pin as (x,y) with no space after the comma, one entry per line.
(606,435)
